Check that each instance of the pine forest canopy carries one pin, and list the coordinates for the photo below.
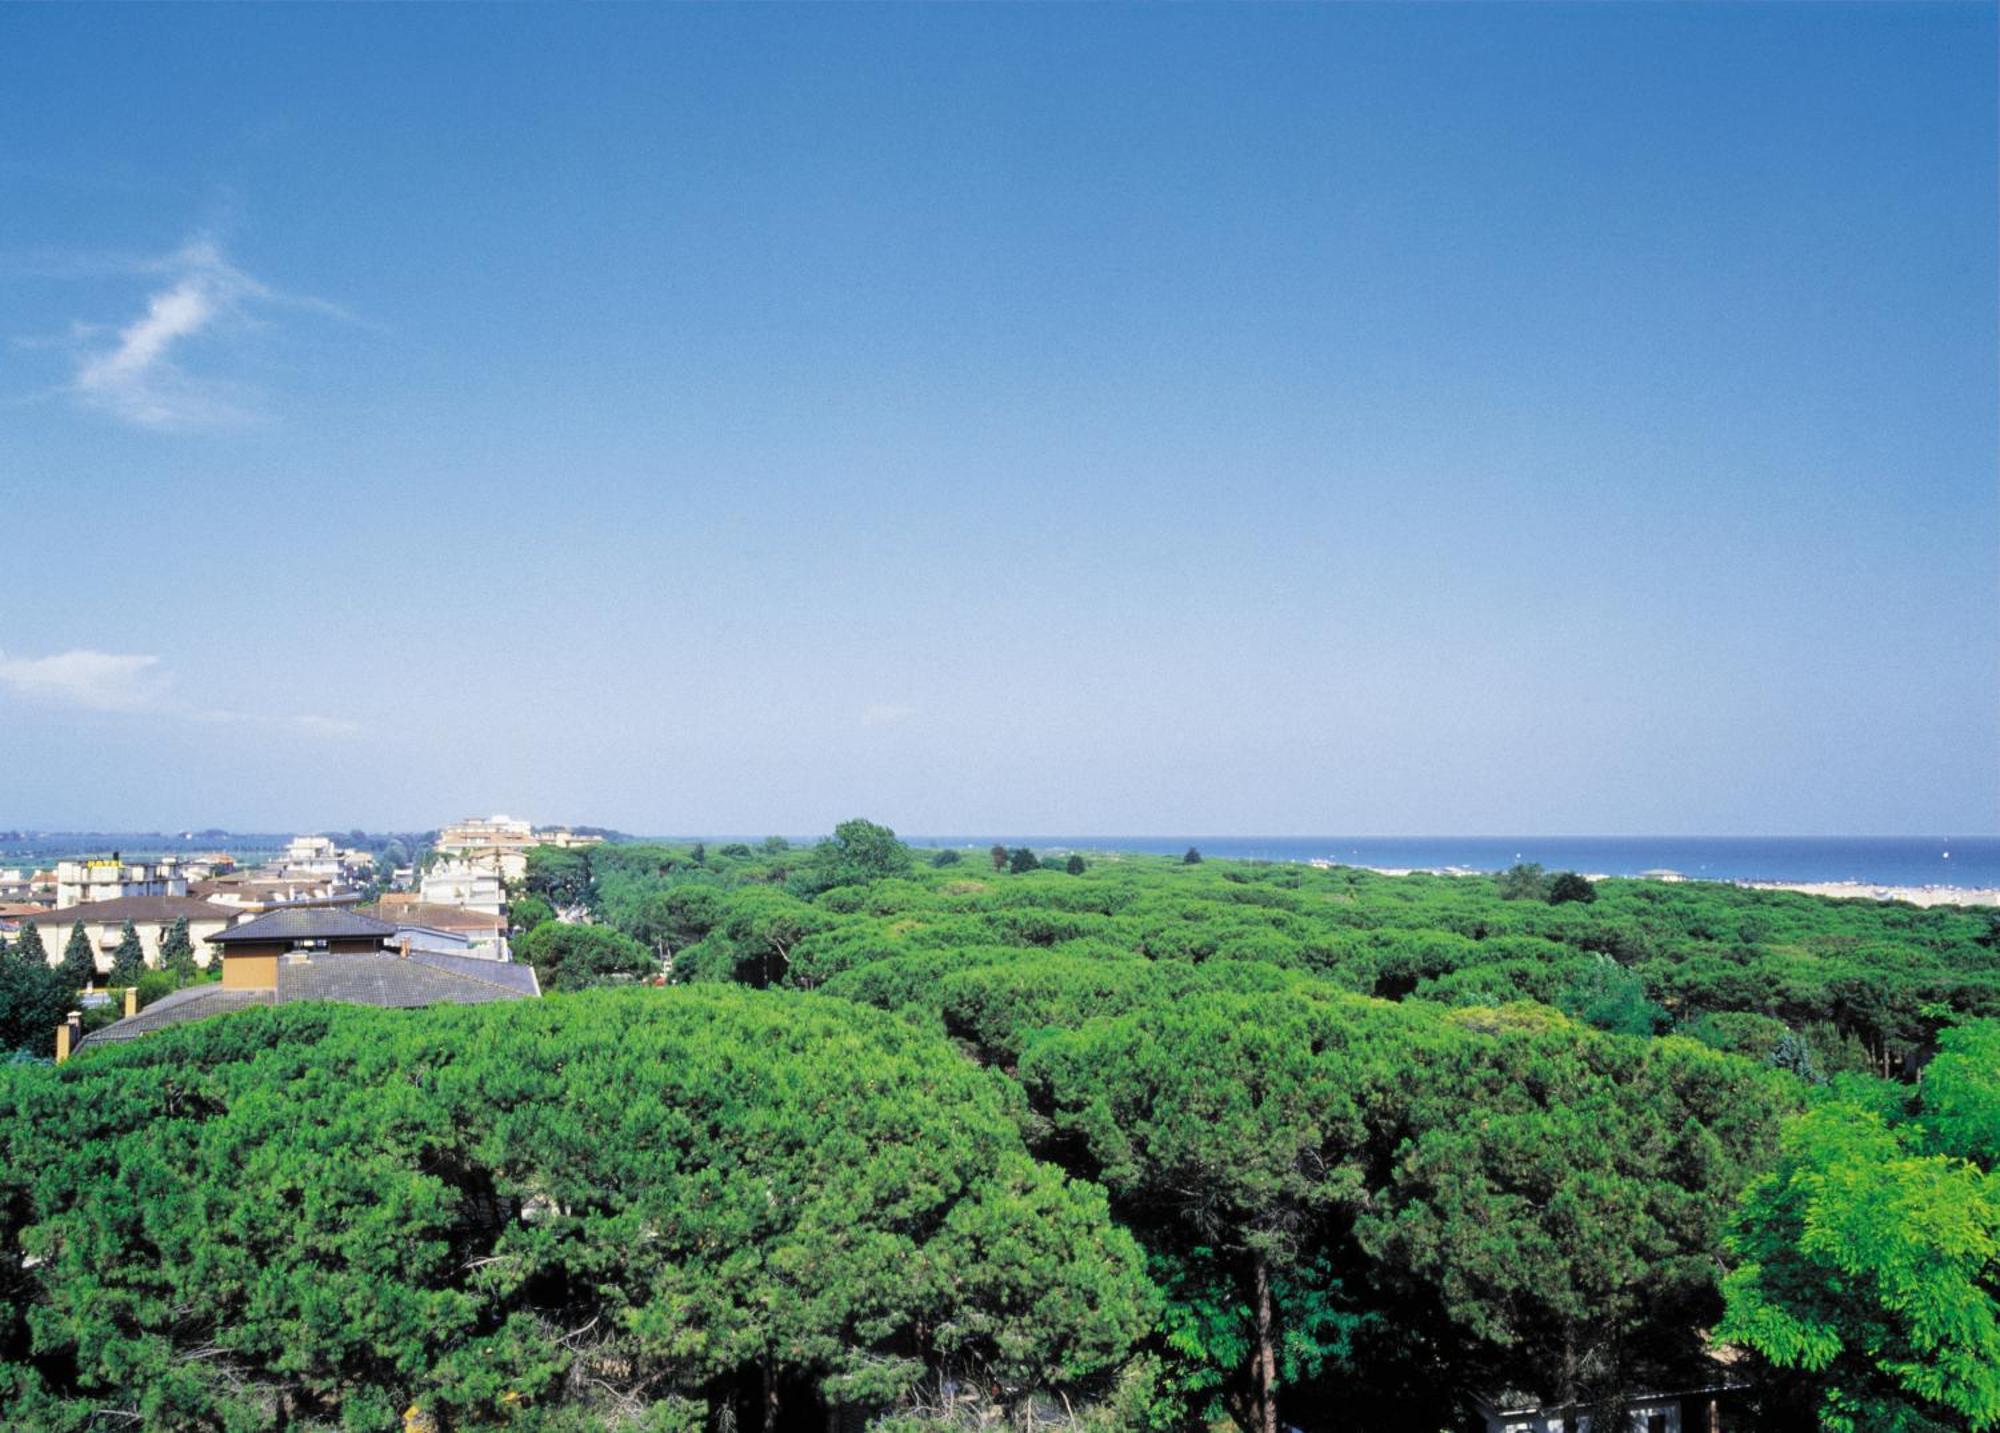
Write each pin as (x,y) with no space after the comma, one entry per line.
(1142,1142)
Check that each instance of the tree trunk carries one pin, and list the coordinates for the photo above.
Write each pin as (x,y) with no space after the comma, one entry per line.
(770,1399)
(1267,1353)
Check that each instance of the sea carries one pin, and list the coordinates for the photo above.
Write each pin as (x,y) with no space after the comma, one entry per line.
(1964,861)
(1944,860)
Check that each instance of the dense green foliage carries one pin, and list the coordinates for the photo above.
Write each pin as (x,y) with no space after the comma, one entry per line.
(1871,1254)
(1141,1141)
(632,1203)
(34,998)
(1463,1290)
(571,957)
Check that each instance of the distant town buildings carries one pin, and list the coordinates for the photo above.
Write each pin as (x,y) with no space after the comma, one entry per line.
(456,907)
(254,892)
(501,843)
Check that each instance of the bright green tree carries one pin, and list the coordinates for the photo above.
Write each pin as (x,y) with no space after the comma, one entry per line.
(575,957)
(858,852)
(1869,1259)
(34,998)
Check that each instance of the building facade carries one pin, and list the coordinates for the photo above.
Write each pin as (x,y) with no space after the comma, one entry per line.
(152,918)
(110,878)
(466,883)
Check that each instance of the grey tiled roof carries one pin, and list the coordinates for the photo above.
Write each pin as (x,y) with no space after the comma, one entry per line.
(135,908)
(389,979)
(436,915)
(311,923)
(514,975)
(197,1002)
(381,978)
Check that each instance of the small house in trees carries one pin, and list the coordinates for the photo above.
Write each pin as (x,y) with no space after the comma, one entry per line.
(1714,1409)
(320,953)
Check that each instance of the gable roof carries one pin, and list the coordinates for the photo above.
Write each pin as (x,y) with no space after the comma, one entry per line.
(305,923)
(197,1002)
(135,908)
(387,979)
(436,915)
(379,978)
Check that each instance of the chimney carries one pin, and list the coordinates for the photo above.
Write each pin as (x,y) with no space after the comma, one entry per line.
(67,1035)
(131,1001)
(406,947)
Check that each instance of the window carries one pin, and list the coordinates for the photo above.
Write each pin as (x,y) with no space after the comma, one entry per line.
(1656,1423)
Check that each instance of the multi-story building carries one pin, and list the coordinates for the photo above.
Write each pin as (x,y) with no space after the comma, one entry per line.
(257,893)
(310,856)
(109,878)
(501,843)
(468,883)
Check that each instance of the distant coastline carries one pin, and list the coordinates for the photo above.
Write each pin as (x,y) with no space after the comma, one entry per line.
(1928,870)
(1925,871)
(1836,890)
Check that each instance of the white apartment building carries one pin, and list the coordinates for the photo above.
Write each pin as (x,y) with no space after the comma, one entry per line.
(501,843)
(109,878)
(467,883)
(310,856)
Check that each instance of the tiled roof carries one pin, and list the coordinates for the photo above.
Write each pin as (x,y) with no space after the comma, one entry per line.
(306,923)
(391,980)
(197,1002)
(135,908)
(380,978)
(436,915)
(514,975)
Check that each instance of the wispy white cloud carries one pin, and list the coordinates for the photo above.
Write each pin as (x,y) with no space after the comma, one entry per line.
(882,714)
(93,681)
(135,684)
(138,372)
(317,725)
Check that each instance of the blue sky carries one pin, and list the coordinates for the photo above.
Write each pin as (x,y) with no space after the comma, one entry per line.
(1259,420)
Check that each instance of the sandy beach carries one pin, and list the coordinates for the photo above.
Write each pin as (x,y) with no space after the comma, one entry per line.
(1839,890)
(1863,891)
